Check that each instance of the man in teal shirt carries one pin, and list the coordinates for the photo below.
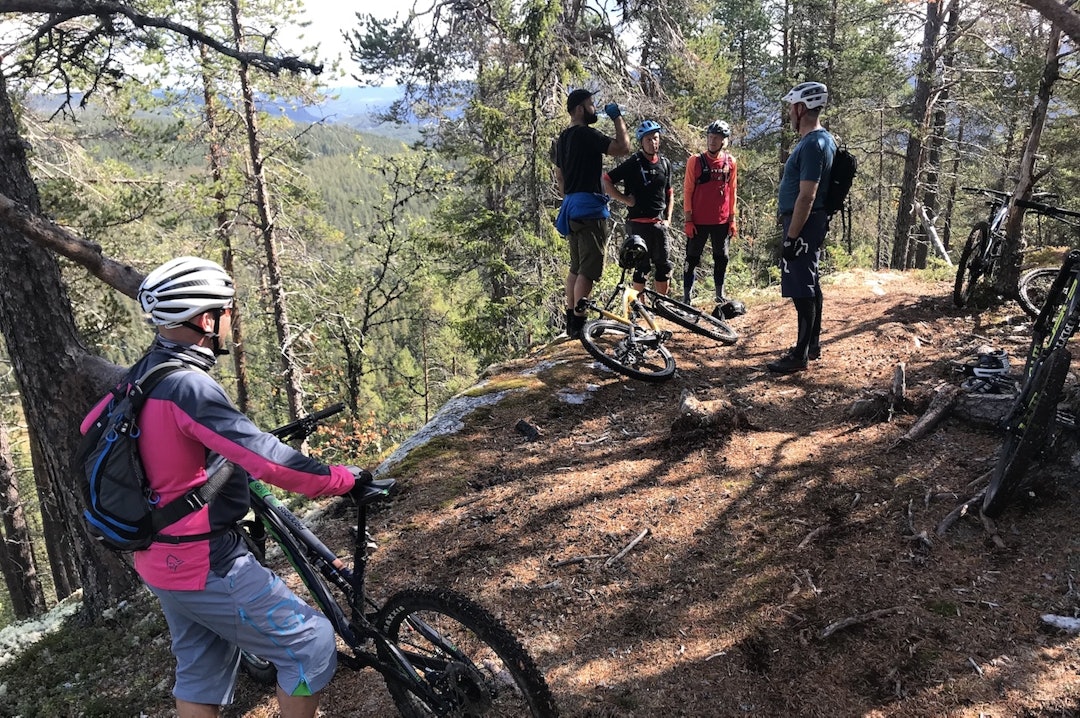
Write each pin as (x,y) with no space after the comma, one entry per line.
(805,221)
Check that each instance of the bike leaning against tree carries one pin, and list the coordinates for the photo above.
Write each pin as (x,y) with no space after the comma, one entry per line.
(985,244)
(1034,413)
(1034,285)
(439,652)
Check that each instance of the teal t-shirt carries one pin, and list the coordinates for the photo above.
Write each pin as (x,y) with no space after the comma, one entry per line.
(811,160)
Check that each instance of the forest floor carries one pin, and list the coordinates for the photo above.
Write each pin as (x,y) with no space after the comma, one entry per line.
(758,539)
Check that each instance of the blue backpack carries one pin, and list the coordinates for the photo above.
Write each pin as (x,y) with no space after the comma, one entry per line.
(119,508)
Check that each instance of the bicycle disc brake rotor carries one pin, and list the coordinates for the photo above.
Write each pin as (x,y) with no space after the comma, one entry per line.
(465,688)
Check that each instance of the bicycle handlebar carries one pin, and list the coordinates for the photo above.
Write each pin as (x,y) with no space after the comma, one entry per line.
(1055,212)
(984,190)
(304,426)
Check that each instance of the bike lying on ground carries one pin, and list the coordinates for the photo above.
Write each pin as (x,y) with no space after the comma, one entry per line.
(626,338)
(1034,413)
(440,653)
(1035,283)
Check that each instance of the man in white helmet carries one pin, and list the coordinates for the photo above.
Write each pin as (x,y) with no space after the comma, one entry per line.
(215,595)
(804,220)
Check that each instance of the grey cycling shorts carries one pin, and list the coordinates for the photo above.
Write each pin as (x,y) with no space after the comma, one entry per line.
(249,608)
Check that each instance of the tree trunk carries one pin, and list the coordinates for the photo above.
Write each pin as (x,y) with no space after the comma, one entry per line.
(909,186)
(1009,274)
(16,548)
(58,380)
(290,369)
(223,229)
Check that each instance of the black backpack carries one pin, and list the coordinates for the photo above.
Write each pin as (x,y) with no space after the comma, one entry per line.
(705,172)
(118,510)
(844,167)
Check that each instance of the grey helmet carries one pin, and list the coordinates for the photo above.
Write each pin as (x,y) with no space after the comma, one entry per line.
(718,127)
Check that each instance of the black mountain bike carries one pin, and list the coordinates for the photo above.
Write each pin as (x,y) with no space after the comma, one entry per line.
(984,244)
(1035,411)
(625,336)
(1035,283)
(440,653)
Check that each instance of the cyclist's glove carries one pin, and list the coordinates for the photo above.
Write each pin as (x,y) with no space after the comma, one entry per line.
(612,110)
(363,477)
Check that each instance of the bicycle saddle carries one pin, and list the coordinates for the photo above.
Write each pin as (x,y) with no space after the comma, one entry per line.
(368,492)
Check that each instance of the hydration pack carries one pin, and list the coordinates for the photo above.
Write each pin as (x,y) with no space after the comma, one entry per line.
(119,506)
(844,168)
(705,171)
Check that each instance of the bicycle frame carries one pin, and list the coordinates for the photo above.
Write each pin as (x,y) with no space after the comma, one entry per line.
(319,569)
(1061,324)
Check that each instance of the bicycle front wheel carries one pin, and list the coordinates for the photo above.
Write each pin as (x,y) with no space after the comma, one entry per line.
(629,350)
(1026,430)
(467,658)
(693,319)
(1034,288)
(970,267)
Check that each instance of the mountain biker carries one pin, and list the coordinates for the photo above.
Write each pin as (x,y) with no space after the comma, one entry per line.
(216,597)
(646,176)
(709,197)
(578,155)
(804,220)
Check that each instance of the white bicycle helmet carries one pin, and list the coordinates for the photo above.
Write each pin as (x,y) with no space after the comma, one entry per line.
(811,94)
(183,288)
(986,364)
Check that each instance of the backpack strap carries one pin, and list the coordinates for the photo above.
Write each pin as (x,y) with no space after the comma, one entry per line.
(194,499)
(704,173)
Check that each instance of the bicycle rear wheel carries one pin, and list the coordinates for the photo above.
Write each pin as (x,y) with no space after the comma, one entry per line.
(693,319)
(970,267)
(629,350)
(1026,429)
(468,659)
(1034,288)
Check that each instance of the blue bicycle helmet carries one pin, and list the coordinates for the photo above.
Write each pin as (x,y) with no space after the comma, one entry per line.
(646,127)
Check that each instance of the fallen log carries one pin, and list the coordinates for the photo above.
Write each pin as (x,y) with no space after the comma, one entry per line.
(941,402)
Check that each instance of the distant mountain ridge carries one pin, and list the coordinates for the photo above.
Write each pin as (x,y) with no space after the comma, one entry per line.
(354,106)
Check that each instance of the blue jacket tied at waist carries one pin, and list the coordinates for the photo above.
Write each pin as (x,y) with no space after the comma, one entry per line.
(581,205)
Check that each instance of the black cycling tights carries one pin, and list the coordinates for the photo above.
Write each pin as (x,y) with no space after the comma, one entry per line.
(809,318)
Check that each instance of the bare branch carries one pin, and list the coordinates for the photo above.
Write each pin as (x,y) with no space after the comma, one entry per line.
(50,235)
(62,10)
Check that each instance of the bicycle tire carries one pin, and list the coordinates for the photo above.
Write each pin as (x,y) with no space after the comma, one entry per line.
(969,268)
(261,670)
(1034,287)
(620,347)
(1026,430)
(691,318)
(480,669)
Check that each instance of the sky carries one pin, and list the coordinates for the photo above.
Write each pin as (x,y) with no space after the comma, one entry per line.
(329,19)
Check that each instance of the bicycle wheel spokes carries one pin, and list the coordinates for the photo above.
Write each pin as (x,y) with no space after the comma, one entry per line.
(693,319)
(971,265)
(1026,430)
(1034,288)
(629,350)
(470,661)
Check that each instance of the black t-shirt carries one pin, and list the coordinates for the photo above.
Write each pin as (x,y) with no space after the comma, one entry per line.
(579,153)
(647,181)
